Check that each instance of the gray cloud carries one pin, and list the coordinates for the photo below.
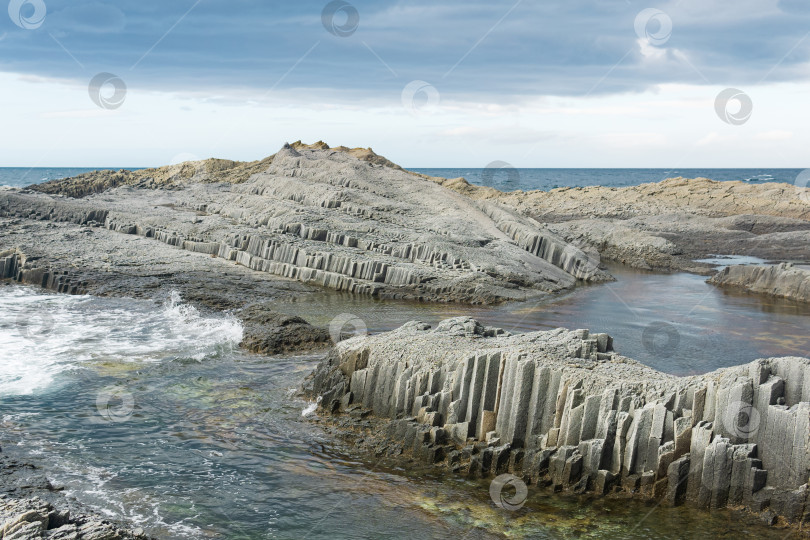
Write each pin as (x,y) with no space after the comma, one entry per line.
(572,48)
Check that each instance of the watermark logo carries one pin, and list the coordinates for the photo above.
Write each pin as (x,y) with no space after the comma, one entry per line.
(741,420)
(803,183)
(500,174)
(337,328)
(733,106)
(661,339)
(35,326)
(340,18)
(654,26)
(420,97)
(500,492)
(115,404)
(108,91)
(27,14)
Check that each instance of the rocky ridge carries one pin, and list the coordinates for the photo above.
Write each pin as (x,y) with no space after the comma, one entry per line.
(176,176)
(668,224)
(561,408)
(327,218)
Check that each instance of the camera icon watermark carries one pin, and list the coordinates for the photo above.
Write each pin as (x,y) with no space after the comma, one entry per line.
(35,325)
(724,106)
(27,14)
(420,97)
(337,328)
(107,91)
(741,420)
(115,404)
(661,339)
(500,175)
(331,18)
(803,183)
(653,26)
(500,491)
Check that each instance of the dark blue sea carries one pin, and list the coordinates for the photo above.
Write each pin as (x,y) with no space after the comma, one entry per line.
(504,178)
(25,176)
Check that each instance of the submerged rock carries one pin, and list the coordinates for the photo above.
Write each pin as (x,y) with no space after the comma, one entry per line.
(561,407)
(782,280)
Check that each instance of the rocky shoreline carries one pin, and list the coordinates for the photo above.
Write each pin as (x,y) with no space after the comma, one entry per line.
(665,226)
(561,408)
(31,508)
(554,408)
(782,280)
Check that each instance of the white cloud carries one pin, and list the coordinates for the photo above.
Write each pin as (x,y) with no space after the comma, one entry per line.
(774,135)
(54,123)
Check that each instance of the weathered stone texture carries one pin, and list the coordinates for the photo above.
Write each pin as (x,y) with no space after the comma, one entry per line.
(596,421)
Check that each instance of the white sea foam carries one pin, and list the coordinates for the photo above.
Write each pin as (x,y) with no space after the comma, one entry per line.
(42,334)
(312,407)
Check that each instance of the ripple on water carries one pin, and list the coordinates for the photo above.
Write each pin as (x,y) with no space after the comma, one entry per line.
(42,335)
(216,445)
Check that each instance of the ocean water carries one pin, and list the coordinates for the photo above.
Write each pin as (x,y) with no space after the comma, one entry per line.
(25,176)
(503,178)
(506,178)
(149,412)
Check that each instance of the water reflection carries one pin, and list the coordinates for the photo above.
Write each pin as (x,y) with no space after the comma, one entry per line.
(715,327)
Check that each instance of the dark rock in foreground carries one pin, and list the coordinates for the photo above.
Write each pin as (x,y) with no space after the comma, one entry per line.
(32,509)
(562,408)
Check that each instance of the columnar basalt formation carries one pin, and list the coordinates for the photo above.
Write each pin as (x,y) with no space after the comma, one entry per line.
(782,280)
(16,266)
(563,408)
(331,219)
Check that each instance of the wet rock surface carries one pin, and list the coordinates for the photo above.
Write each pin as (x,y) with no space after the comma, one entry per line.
(131,269)
(562,409)
(32,509)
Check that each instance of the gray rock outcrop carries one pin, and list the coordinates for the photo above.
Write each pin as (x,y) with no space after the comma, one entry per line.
(327,218)
(561,407)
(782,280)
(666,225)
(34,519)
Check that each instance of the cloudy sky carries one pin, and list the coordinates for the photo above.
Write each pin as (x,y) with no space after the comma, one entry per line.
(427,83)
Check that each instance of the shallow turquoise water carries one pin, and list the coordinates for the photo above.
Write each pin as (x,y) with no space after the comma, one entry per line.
(149,412)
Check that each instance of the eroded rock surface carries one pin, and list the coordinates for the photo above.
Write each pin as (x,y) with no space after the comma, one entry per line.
(328,218)
(562,408)
(34,519)
(33,509)
(668,224)
(783,280)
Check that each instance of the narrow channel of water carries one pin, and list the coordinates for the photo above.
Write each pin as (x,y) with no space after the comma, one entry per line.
(149,412)
(676,323)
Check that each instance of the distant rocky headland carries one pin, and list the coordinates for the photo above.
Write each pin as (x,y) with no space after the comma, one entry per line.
(560,408)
